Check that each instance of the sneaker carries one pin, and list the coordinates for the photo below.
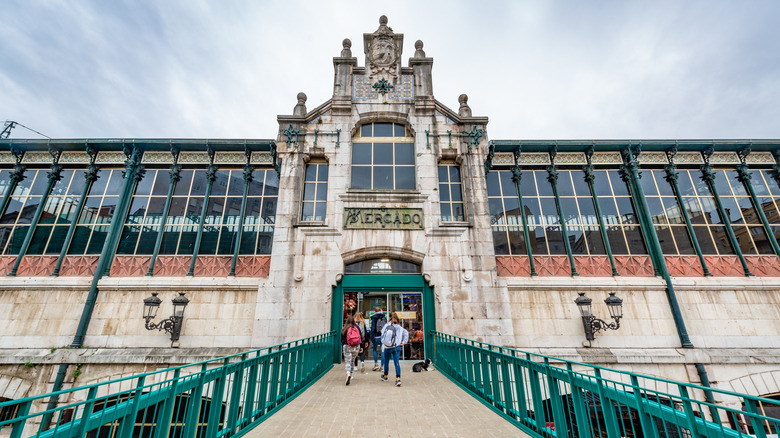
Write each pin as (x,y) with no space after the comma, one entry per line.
(362,367)
(398,382)
(376,367)
(349,377)
(382,378)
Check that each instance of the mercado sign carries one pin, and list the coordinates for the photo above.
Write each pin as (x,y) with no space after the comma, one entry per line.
(383,218)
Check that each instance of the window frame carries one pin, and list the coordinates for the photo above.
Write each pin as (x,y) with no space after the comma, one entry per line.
(359,139)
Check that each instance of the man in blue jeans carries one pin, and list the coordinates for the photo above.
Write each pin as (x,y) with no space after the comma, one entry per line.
(393,338)
(378,322)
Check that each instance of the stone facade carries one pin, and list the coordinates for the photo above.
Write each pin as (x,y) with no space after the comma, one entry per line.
(733,320)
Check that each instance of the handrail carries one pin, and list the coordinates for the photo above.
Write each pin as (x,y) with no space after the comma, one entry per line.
(224,397)
(550,397)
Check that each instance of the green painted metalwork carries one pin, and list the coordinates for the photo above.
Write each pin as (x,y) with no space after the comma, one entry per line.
(133,172)
(54,175)
(708,176)
(247,180)
(473,137)
(671,178)
(590,177)
(630,173)
(16,176)
(552,177)
(175,177)
(382,86)
(744,178)
(221,397)
(517,176)
(90,176)
(211,175)
(548,397)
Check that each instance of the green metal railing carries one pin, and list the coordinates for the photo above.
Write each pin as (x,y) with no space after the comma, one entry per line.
(549,397)
(223,397)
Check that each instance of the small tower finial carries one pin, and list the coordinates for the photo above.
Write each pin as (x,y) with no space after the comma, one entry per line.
(464,110)
(346,52)
(418,46)
(300,107)
(383,20)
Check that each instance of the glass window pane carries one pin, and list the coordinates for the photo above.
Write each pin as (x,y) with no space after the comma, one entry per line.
(128,240)
(199,183)
(219,186)
(114,186)
(555,243)
(672,210)
(721,183)
(619,187)
(542,184)
(508,187)
(533,212)
(399,130)
(665,239)
(763,246)
(361,177)
(527,183)
(538,240)
(648,184)
(319,211)
(500,241)
(743,240)
(248,239)
(155,209)
(683,239)
(404,178)
(601,184)
(361,153)
(170,240)
(626,210)
(581,187)
(307,211)
(616,240)
(512,210)
(446,212)
(147,240)
(271,183)
(664,187)
(564,184)
(657,211)
(80,238)
(595,241)
(404,153)
(444,192)
(577,240)
(456,194)
(569,210)
(705,240)
(322,191)
(30,206)
(458,213)
(365,130)
(383,129)
(322,173)
(268,215)
(587,211)
(309,191)
(227,240)
(454,173)
(99,234)
(748,212)
(183,185)
(383,153)
(549,211)
(187,241)
(56,240)
(39,238)
(144,187)
(636,243)
(516,241)
(40,184)
(311,173)
(496,210)
(722,240)
(493,187)
(383,177)
(209,239)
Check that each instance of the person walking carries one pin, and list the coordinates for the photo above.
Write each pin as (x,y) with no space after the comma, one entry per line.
(361,324)
(378,322)
(350,345)
(394,337)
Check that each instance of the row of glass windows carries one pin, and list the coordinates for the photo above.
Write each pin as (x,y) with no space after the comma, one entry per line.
(618,213)
(220,225)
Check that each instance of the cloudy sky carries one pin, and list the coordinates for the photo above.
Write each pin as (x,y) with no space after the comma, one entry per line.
(539,70)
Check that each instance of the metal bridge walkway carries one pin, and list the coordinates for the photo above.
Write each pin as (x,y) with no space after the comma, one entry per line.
(427,404)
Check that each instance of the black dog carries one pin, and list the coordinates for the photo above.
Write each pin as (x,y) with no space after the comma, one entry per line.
(419,366)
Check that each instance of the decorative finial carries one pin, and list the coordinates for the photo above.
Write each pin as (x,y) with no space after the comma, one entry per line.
(419,53)
(300,107)
(383,20)
(346,52)
(464,110)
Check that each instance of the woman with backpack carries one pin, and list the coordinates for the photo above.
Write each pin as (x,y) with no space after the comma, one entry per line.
(361,324)
(350,344)
(393,338)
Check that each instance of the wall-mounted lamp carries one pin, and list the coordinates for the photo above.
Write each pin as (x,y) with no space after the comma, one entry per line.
(593,324)
(170,325)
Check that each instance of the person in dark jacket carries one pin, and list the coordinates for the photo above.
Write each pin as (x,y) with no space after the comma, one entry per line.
(376,333)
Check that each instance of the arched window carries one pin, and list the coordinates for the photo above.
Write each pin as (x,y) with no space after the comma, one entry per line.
(382,266)
(383,158)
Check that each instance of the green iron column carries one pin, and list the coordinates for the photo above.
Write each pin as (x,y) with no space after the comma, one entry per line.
(590,178)
(133,172)
(708,176)
(631,174)
(247,180)
(175,177)
(16,176)
(643,214)
(517,176)
(54,175)
(90,177)
(744,177)
(211,175)
(671,178)
(552,177)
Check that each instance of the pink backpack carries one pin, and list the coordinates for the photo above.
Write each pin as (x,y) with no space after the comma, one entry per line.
(353,336)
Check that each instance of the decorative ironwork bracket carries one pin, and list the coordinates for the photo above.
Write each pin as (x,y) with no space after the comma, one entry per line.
(594,325)
(293,134)
(474,135)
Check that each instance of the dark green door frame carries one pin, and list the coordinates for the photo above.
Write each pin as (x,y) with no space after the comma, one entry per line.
(383,283)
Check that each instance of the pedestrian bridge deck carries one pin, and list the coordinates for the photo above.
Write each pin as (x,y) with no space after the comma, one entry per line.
(427,404)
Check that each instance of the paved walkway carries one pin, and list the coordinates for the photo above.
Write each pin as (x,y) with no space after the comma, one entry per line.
(427,404)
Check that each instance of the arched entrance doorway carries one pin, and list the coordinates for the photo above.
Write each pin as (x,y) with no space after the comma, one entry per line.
(395,286)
